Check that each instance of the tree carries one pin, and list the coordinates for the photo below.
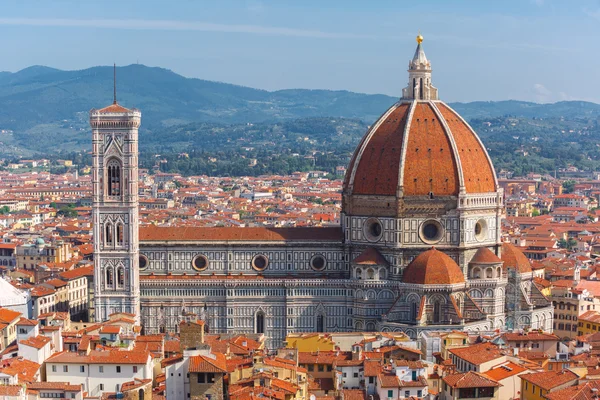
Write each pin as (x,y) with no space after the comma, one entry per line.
(568,186)
(4,210)
(68,211)
(535,213)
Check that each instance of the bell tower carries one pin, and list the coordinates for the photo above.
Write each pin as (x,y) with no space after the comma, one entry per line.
(115,210)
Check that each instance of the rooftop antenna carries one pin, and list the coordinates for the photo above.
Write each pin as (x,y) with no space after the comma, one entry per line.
(115,83)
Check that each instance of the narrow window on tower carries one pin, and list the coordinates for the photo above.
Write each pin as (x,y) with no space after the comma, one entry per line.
(421,89)
(113,180)
(109,234)
(109,277)
(120,240)
(120,277)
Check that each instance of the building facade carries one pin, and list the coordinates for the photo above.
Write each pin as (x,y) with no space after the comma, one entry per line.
(115,209)
(418,248)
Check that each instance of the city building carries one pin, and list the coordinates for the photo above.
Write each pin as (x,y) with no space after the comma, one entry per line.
(419,247)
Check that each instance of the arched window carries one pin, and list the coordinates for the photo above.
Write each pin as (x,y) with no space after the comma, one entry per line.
(109,234)
(120,276)
(259,325)
(320,323)
(382,273)
(109,277)
(421,89)
(488,273)
(476,273)
(113,178)
(120,234)
(358,273)
(370,274)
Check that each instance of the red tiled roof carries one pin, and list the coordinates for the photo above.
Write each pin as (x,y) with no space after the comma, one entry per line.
(530,336)
(485,256)
(154,233)
(101,357)
(37,342)
(478,353)
(550,379)
(504,371)
(377,171)
(114,108)
(111,329)
(78,272)
(208,364)
(10,390)
(370,256)
(514,258)
(54,385)
(7,316)
(433,267)
(476,166)
(585,391)
(470,379)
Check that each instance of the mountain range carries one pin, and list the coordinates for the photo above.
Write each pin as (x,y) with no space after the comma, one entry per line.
(52,104)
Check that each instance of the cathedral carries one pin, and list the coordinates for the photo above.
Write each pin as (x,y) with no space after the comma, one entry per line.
(418,247)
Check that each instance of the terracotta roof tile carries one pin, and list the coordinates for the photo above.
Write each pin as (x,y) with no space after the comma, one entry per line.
(154,233)
(370,256)
(470,379)
(550,379)
(433,267)
(514,258)
(477,168)
(485,256)
(207,363)
(378,169)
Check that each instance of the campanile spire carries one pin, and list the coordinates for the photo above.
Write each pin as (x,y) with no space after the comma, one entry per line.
(115,83)
(419,76)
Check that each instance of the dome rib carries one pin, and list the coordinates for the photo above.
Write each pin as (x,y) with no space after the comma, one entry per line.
(478,162)
(461,177)
(411,114)
(430,165)
(358,153)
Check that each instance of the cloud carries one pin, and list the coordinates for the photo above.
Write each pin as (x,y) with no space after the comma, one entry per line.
(541,93)
(143,24)
(592,13)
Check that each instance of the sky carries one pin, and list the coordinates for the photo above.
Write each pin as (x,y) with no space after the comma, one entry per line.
(533,50)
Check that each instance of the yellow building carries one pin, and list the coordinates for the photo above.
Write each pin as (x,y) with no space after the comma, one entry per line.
(452,340)
(309,342)
(589,322)
(536,385)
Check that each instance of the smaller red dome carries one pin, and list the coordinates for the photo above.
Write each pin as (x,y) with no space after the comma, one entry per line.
(514,258)
(433,267)
(485,256)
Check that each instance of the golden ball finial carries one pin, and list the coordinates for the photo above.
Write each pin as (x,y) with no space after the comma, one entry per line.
(419,38)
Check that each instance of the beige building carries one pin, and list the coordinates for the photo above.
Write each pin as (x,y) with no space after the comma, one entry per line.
(569,303)
(30,255)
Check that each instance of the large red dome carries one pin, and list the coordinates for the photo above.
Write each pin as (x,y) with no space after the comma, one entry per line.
(418,148)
